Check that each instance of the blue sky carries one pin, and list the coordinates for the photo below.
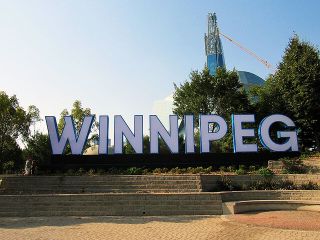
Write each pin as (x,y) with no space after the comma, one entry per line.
(119,57)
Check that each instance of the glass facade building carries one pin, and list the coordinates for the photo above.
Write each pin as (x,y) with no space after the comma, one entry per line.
(213,45)
(215,57)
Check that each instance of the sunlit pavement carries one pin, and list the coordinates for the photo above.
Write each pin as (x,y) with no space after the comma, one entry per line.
(271,225)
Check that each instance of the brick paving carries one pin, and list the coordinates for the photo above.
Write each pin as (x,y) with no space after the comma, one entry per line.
(175,227)
(296,220)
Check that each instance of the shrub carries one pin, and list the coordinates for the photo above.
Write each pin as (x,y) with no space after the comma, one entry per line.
(196,170)
(223,169)
(91,172)
(146,171)
(114,170)
(265,172)
(285,185)
(225,184)
(156,171)
(240,171)
(177,170)
(8,167)
(231,168)
(101,171)
(243,167)
(70,172)
(263,185)
(208,170)
(310,186)
(252,168)
(159,170)
(293,166)
(134,171)
(80,172)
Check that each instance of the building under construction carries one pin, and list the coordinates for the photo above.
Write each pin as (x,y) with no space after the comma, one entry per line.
(215,57)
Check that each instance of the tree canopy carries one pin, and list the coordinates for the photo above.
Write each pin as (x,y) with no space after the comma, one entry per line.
(222,94)
(39,148)
(14,124)
(294,90)
(78,113)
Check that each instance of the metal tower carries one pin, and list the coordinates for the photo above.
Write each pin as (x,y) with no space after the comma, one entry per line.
(213,45)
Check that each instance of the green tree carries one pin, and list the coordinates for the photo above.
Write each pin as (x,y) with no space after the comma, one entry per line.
(14,124)
(128,149)
(39,148)
(78,113)
(12,153)
(194,96)
(299,80)
(34,114)
(267,99)
(222,94)
(294,90)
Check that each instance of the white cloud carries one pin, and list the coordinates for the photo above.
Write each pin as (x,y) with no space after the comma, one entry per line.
(163,108)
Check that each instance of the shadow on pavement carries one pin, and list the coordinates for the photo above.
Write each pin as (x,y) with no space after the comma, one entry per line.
(33,222)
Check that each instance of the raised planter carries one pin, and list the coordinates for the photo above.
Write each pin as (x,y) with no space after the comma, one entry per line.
(269,205)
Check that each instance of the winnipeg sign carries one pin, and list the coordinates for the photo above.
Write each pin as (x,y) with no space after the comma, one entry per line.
(287,137)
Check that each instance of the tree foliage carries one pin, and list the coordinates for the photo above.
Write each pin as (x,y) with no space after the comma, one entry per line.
(267,99)
(14,124)
(294,90)
(222,94)
(39,149)
(194,96)
(299,80)
(78,113)
(128,149)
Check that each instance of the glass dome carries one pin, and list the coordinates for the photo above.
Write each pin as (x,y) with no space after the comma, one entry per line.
(249,79)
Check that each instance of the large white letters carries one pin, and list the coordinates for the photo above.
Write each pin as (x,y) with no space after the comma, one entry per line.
(211,127)
(68,134)
(157,129)
(264,134)
(121,129)
(189,133)
(217,133)
(103,134)
(239,133)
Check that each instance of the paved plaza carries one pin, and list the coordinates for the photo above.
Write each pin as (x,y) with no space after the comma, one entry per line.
(248,226)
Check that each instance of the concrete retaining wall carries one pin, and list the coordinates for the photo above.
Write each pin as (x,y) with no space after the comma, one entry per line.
(112,204)
(209,182)
(168,195)
(232,196)
(100,184)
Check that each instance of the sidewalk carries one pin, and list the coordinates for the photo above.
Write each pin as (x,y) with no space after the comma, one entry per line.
(175,227)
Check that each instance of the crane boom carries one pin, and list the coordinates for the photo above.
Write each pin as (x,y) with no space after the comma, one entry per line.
(264,62)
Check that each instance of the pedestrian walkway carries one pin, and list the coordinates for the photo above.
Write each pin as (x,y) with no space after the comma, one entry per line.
(176,227)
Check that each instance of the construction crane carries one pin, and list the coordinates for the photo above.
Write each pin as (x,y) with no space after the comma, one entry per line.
(264,62)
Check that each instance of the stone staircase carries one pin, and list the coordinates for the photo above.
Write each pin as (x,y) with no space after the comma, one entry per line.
(110,195)
(100,184)
(115,204)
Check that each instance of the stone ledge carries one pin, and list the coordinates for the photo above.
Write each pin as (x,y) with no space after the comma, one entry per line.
(269,205)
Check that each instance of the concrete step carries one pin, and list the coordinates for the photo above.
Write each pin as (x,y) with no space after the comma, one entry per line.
(104,177)
(95,184)
(110,204)
(141,212)
(146,184)
(113,207)
(66,191)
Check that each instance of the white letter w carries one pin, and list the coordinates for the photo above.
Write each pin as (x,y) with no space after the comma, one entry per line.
(69,134)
